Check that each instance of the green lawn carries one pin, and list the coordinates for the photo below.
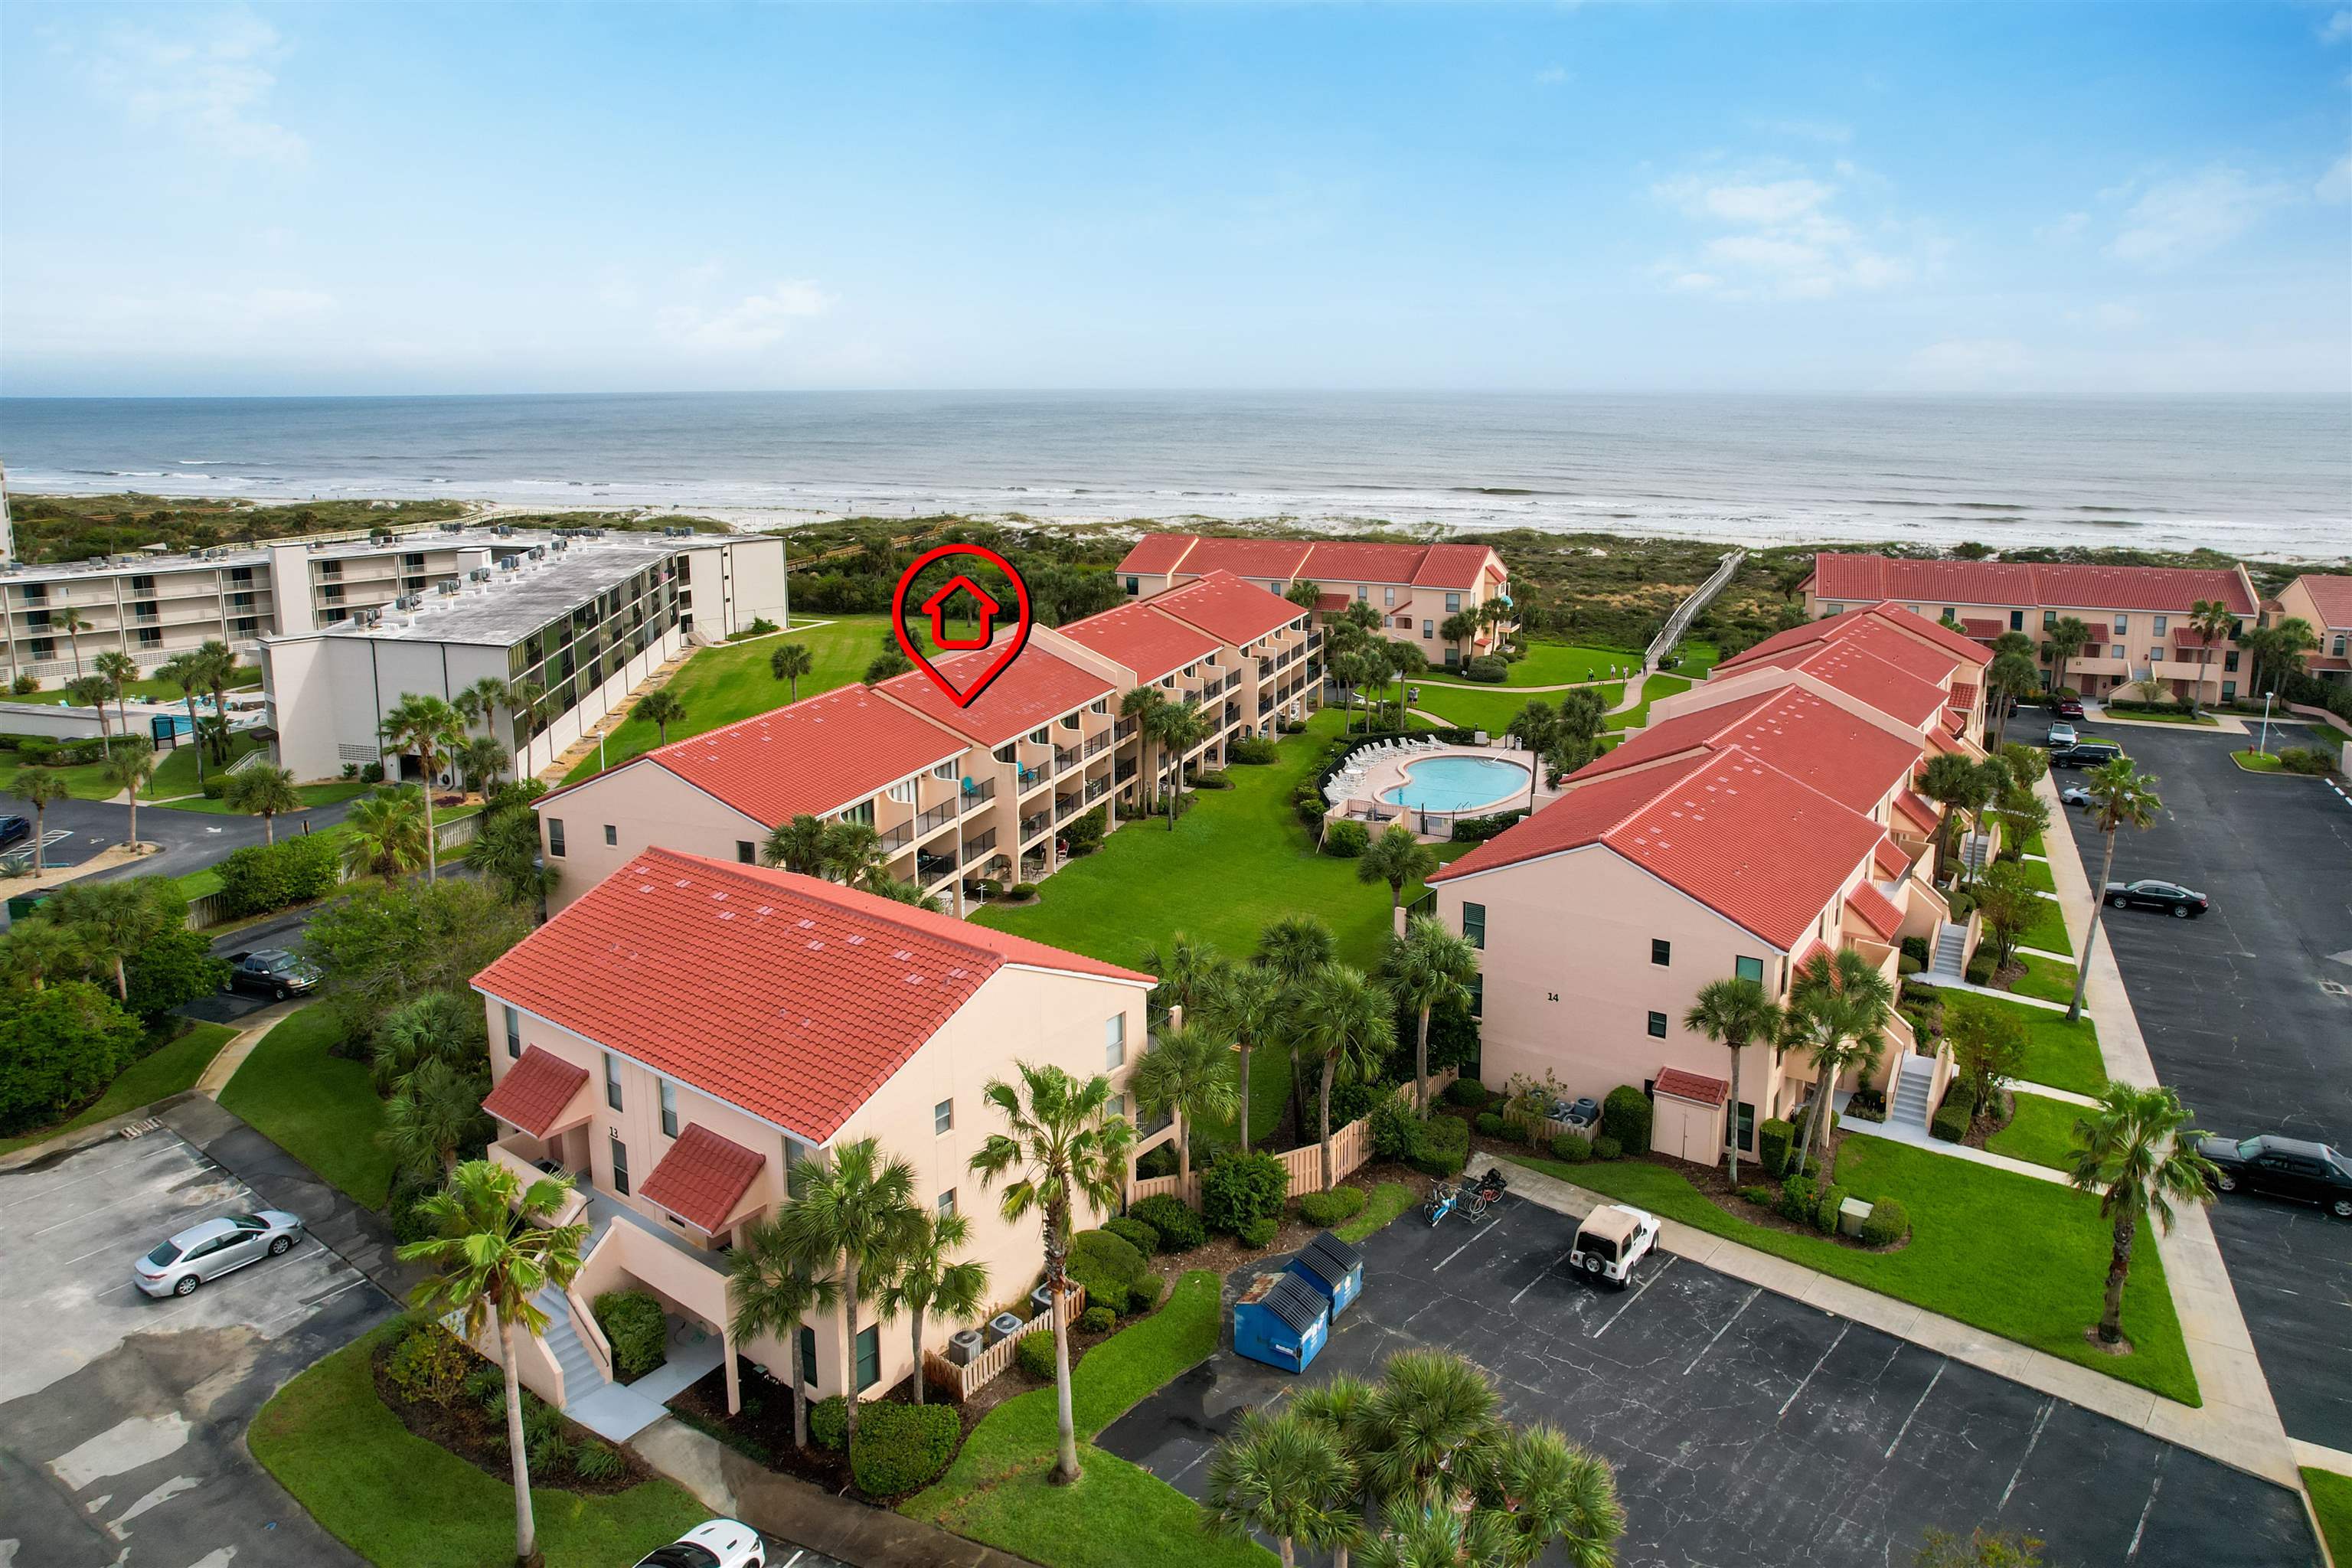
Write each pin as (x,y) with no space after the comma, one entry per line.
(162,1072)
(2042,1131)
(1491,708)
(2162,717)
(2256,762)
(2331,1500)
(2016,1256)
(720,685)
(1554,664)
(333,793)
(199,884)
(2057,1053)
(1389,1200)
(1699,658)
(2048,930)
(83,782)
(401,1502)
(1117,1514)
(175,770)
(2046,978)
(316,1107)
(2038,876)
(155,689)
(1653,688)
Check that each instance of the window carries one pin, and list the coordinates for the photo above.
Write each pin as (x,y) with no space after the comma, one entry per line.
(1362,593)
(611,1081)
(2157,629)
(808,1355)
(2017,620)
(620,1162)
(1114,1042)
(1661,952)
(2123,626)
(1748,968)
(1429,628)
(514,1032)
(1950,613)
(1453,603)
(245,626)
(870,1357)
(943,1117)
(1657,1026)
(669,1109)
(2230,659)
(150,636)
(903,791)
(1473,924)
(1478,996)
(2048,617)
(1388,598)
(1746,1128)
(612,834)
(1404,623)
(1134,584)
(555,837)
(947,1201)
(1833,609)
(745,853)
(2229,688)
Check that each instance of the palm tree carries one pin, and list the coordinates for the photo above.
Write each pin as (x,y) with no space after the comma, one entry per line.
(217,666)
(110,919)
(1413,1537)
(909,893)
(1067,1150)
(73,623)
(1184,1076)
(1734,1013)
(663,707)
(482,701)
(1950,781)
(1838,1009)
(1396,856)
(431,1115)
(92,691)
(2136,1153)
(852,1218)
(1142,704)
(929,1282)
(1556,1490)
(186,671)
(438,1025)
(33,951)
(773,1290)
(1296,948)
(1186,969)
(523,697)
(1303,592)
(2121,796)
(480,761)
(118,670)
(36,787)
(1433,1425)
(504,849)
(2064,639)
(1182,727)
(1428,967)
(1247,1003)
(2216,624)
(2010,680)
(2277,650)
(1349,1024)
(796,845)
(1284,1476)
(494,1251)
(790,662)
(387,833)
(427,726)
(853,853)
(263,790)
(131,769)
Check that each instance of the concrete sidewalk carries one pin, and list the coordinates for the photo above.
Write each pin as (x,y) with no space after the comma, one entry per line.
(231,1057)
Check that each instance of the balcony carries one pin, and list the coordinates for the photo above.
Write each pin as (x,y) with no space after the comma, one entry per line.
(1035,823)
(1032,775)
(977,849)
(1066,758)
(976,796)
(922,827)
(1124,730)
(1123,771)
(1063,804)
(1097,789)
(1099,744)
(930,867)
(1314,641)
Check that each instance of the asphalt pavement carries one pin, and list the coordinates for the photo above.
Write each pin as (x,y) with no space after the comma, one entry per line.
(191,840)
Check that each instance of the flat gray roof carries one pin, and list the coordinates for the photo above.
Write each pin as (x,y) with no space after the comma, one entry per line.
(513,604)
(430,536)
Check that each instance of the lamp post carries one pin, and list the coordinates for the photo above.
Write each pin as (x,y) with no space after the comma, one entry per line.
(2262,748)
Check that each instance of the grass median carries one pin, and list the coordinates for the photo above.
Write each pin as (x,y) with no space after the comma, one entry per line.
(315,1105)
(2040,1129)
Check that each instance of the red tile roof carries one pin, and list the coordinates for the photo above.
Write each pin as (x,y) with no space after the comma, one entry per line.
(1964,697)
(1332,601)
(1157,553)
(1197,554)
(2332,594)
(1916,629)
(814,756)
(702,1177)
(791,998)
(2026,584)
(1921,814)
(1035,688)
(1874,909)
(1811,738)
(1692,1086)
(1682,733)
(535,1091)
(1456,566)
(1758,847)
(1141,639)
(1348,560)
(1890,859)
(1228,608)
(1854,670)
(1984,630)
(1332,560)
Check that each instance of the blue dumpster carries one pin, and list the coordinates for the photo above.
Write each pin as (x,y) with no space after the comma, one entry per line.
(1331,1266)
(1282,1321)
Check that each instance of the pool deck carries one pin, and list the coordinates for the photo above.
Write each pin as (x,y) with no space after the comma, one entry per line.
(1365,800)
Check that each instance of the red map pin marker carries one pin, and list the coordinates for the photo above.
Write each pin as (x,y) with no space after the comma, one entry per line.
(976,673)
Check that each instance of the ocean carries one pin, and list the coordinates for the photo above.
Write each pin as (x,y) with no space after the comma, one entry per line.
(2270,478)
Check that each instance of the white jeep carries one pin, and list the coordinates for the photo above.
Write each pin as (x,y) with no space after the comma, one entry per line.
(1610,1240)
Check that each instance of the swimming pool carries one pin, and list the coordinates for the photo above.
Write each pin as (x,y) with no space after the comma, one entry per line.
(1458,783)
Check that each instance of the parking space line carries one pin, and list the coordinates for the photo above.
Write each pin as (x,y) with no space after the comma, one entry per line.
(1636,1296)
(2027,1457)
(1940,1365)
(1718,1333)
(2155,1485)
(300,1308)
(1540,1274)
(93,1176)
(1465,1246)
(1843,1327)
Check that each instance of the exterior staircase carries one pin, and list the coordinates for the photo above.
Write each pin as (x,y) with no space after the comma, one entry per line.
(1910,1105)
(581,1377)
(1951,951)
(1976,852)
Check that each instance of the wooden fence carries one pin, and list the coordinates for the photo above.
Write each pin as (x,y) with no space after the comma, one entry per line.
(1351,1150)
(212,909)
(985,1369)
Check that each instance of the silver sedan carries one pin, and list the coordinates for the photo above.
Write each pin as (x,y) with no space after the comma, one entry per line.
(209,1250)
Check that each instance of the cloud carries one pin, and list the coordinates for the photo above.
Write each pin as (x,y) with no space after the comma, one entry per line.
(753,322)
(2337,28)
(1779,237)
(2336,186)
(2111,315)
(1776,201)
(2177,219)
(2067,230)
(208,85)
(1551,76)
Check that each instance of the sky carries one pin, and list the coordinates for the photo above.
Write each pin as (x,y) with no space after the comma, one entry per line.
(2014,199)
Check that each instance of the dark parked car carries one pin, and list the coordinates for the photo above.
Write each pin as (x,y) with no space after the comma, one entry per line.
(2284,1168)
(272,971)
(2084,755)
(2065,708)
(14,829)
(2180,902)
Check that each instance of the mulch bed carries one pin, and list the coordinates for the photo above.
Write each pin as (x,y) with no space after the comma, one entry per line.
(762,1430)
(479,1437)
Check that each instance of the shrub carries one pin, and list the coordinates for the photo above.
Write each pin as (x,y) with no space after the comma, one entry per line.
(1144,1294)
(408,1222)
(26,684)
(1259,1232)
(1355,1101)
(1239,1188)
(551,1456)
(430,1367)
(991,888)
(1607,1148)
(1293,726)
(1573,1147)
(1825,1209)
(829,1417)
(1135,1232)
(65,1043)
(2304,760)
(1914,948)
(1311,809)
(487,1385)
(1979,969)
(1098,1320)
(1760,1196)
(1907,966)
(1952,1118)
(1798,1197)
(1466,1091)
(1252,750)
(1035,1355)
(1324,1210)
(1478,829)
(1888,1223)
(902,1447)
(1626,1116)
(1774,1138)
(632,1321)
(1160,1161)
(373,773)
(1395,1129)
(596,1462)
(1346,840)
(1179,1226)
(260,877)
(1023,889)
(216,786)
(1489,1125)
(1486,668)
(1211,778)
(1085,836)
(1440,1146)
(1867,1104)
(1106,1263)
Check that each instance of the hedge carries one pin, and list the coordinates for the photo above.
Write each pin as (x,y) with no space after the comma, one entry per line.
(1466,1091)
(1489,1125)
(1440,1146)
(633,1323)
(1626,1116)
(902,1447)
(1239,1188)
(1136,1233)
(1259,1232)
(1826,1207)
(1774,1138)
(1478,829)
(1326,1209)
(261,878)
(1952,1118)
(1179,1224)
(1346,840)
(1035,1355)
(1252,750)
(1144,1294)
(1887,1223)
(1098,1320)
(1105,1264)
(1572,1148)
(829,1416)
(1607,1148)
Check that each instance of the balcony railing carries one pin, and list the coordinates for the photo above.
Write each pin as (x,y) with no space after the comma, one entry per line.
(1100,743)
(1124,730)
(930,867)
(1065,803)
(978,794)
(1097,789)
(1035,823)
(923,826)
(1123,771)
(975,850)
(1314,641)
(1034,773)
(1066,757)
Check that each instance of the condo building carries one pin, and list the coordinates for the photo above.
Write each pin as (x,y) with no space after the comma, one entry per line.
(2324,601)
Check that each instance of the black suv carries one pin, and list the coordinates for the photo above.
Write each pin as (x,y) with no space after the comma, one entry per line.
(2085,754)
(2181,903)
(2283,1167)
(272,971)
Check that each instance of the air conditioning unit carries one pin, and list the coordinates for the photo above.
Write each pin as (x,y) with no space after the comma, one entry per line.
(447,586)
(407,601)
(479,574)
(538,552)
(504,529)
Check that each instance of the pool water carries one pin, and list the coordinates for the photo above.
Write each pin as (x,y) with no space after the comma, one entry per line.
(1458,783)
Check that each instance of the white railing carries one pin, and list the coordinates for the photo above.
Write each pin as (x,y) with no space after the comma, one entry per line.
(1685,613)
(985,1369)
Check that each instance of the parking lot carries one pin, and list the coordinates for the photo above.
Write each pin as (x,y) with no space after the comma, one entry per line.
(122,1418)
(2238,1016)
(1746,1426)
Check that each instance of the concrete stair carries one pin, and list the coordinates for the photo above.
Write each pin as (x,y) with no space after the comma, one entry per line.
(1976,852)
(1911,1091)
(1951,951)
(581,1377)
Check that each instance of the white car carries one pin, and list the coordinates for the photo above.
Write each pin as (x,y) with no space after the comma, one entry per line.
(713,1544)
(2061,735)
(1611,1239)
(2076,795)
(209,1250)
